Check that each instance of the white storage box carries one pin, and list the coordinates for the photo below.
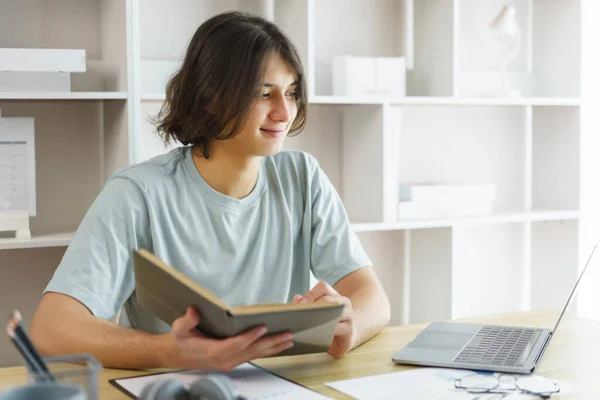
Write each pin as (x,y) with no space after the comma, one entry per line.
(445,201)
(42,60)
(35,81)
(449,209)
(360,76)
(39,70)
(442,192)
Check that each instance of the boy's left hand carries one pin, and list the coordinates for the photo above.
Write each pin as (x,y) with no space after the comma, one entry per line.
(345,333)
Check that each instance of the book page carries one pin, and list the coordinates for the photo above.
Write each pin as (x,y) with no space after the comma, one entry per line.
(250,309)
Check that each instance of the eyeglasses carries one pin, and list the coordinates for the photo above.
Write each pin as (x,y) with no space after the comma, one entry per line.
(506,384)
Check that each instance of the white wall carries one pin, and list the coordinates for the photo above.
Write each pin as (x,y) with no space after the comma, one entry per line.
(590,126)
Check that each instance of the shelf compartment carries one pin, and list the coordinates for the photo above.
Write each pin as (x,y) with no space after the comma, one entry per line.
(353,149)
(430,264)
(389,259)
(166,29)
(550,49)
(78,144)
(419,30)
(496,218)
(98,27)
(556,157)
(471,145)
(322,138)
(371,29)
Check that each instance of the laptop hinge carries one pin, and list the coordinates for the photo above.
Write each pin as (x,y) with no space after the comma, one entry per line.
(542,350)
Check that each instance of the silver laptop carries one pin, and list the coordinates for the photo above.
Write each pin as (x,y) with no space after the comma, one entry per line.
(482,347)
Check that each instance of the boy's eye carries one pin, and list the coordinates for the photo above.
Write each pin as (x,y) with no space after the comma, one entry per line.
(264,95)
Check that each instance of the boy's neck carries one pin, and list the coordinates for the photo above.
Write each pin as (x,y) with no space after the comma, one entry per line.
(227,174)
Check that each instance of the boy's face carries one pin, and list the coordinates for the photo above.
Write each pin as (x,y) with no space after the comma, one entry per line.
(269,121)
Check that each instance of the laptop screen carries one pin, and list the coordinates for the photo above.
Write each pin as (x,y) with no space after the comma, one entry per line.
(574,291)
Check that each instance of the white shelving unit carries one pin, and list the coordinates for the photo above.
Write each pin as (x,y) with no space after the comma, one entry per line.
(64,96)
(426,100)
(529,147)
(37,241)
(448,101)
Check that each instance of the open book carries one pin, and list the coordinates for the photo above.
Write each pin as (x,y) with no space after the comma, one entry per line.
(167,293)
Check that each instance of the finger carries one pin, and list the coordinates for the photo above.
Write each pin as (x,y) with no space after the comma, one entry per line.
(277,349)
(270,345)
(199,343)
(319,290)
(244,340)
(186,324)
(297,298)
(258,352)
(335,299)
(262,347)
(347,312)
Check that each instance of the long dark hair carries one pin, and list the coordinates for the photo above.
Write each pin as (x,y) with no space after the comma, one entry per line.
(211,95)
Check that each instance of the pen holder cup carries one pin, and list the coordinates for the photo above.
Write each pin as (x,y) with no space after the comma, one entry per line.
(75,370)
(45,391)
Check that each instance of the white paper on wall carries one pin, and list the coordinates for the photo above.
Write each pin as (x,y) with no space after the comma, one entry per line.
(17,165)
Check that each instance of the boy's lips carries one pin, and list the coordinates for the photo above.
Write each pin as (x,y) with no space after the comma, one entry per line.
(276,133)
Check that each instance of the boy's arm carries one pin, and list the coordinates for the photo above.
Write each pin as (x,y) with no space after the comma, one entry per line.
(366,308)
(369,302)
(62,325)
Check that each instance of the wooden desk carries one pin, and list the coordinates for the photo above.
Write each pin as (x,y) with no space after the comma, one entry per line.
(573,357)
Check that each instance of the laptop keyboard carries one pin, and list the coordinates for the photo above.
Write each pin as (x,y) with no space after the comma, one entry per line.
(498,345)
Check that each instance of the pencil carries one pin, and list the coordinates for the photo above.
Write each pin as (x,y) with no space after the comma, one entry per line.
(20,338)
(30,363)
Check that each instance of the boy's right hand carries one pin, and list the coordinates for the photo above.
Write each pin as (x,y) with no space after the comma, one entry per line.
(190,349)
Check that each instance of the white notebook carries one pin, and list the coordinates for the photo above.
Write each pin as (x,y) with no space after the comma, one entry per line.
(421,384)
(253,382)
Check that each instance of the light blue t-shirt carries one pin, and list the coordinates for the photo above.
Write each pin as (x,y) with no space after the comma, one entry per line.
(259,249)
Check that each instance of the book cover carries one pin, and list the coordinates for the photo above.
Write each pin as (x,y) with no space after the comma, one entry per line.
(167,292)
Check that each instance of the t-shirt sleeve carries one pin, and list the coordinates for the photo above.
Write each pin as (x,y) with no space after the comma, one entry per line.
(335,248)
(97,268)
